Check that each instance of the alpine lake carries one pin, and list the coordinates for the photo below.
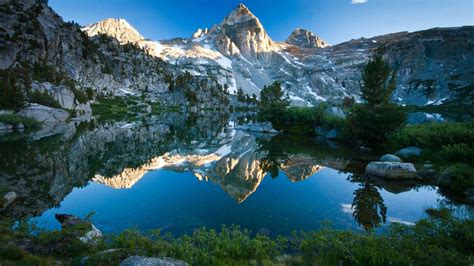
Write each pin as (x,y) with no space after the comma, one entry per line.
(179,172)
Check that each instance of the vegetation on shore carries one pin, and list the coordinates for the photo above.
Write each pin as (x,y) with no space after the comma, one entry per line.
(439,239)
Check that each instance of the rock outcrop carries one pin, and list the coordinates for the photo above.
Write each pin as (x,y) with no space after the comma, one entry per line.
(306,39)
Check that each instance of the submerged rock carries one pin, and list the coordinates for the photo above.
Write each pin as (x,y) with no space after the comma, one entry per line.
(390,158)
(145,261)
(391,170)
(409,152)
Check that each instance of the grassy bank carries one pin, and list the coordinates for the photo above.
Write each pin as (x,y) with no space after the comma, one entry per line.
(439,239)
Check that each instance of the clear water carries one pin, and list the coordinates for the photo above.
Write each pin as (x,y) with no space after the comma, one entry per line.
(178,173)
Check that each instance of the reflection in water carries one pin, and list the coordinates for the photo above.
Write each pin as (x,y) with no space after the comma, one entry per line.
(120,154)
(368,205)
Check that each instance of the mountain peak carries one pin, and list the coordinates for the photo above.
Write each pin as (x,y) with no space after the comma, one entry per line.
(306,39)
(240,14)
(119,29)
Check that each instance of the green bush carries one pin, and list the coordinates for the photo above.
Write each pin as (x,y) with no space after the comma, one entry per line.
(435,134)
(439,239)
(455,140)
(460,177)
(43,98)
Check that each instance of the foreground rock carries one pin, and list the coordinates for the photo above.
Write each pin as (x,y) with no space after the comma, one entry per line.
(265,127)
(89,237)
(409,152)
(390,158)
(391,170)
(145,261)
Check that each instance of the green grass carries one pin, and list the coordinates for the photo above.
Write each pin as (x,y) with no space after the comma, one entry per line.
(14,119)
(438,239)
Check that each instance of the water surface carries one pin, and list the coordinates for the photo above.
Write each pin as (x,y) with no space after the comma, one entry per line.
(179,172)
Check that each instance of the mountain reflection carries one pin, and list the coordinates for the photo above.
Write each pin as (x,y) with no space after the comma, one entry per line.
(43,172)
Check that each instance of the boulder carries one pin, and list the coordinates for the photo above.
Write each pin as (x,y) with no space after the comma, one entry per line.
(390,158)
(45,114)
(146,261)
(335,112)
(89,237)
(9,198)
(409,152)
(333,134)
(391,170)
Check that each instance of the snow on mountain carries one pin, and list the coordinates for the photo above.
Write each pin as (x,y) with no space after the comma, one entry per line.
(119,29)
(239,52)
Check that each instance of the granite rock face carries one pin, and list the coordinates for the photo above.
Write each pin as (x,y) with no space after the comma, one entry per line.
(306,39)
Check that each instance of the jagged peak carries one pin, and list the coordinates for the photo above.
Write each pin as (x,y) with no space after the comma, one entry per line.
(306,39)
(200,33)
(118,28)
(240,14)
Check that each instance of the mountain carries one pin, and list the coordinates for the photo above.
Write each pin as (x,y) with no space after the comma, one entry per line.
(433,66)
(119,29)
(306,39)
(111,58)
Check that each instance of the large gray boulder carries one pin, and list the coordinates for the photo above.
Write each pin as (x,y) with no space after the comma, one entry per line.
(391,170)
(409,152)
(145,261)
(390,158)
(335,112)
(45,114)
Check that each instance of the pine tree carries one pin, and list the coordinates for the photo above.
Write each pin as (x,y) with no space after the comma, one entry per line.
(273,104)
(241,95)
(12,96)
(378,117)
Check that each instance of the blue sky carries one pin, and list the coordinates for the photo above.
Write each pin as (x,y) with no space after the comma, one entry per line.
(334,20)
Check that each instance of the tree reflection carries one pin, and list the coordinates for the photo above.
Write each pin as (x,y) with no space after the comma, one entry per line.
(368,205)
(273,156)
